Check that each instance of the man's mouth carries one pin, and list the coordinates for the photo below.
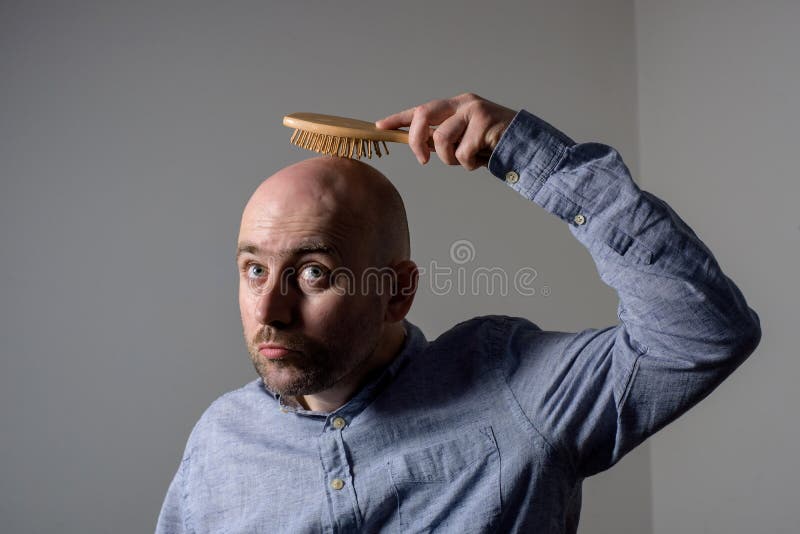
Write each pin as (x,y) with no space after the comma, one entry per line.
(273,352)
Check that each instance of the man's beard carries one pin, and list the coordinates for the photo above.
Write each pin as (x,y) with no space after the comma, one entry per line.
(311,367)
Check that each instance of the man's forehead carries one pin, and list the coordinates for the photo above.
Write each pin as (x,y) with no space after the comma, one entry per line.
(288,205)
(298,203)
(296,224)
(313,203)
(290,225)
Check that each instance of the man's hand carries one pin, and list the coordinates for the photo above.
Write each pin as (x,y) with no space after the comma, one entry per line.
(468,128)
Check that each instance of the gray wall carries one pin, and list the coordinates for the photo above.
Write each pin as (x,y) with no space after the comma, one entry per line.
(132,134)
(719,84)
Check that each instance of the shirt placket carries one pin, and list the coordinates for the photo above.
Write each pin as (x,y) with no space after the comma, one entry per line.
(337,477)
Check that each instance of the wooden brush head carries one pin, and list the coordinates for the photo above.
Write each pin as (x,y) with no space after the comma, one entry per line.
(340,136)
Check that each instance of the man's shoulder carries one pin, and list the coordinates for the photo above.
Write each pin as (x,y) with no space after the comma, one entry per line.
(485,327)
(231,410)
(237,400)
(478,337)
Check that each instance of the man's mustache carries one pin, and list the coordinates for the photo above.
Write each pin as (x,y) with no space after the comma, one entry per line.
(272,336)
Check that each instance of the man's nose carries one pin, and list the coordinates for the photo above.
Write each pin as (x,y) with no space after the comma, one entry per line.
(275,305)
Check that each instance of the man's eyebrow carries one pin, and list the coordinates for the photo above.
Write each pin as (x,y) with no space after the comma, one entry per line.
(309,247)
(246,248)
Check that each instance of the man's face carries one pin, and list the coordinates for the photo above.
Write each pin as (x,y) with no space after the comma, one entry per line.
(304,332)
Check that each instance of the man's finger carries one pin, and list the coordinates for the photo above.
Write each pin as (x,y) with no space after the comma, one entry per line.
(435,111)
(471,142)
(429,114)
(398,120)
(418,134)
(447,136)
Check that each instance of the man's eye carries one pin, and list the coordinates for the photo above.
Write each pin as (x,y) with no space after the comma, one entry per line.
(255,270)
(313,274)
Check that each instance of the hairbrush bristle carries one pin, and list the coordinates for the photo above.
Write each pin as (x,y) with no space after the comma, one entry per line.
(343,147)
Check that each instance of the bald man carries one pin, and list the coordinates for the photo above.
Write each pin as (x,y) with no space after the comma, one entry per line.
(358,424)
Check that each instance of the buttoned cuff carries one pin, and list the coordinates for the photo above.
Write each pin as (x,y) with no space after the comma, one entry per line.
(527,153)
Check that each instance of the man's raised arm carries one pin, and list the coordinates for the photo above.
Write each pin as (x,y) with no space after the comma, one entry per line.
(684,326)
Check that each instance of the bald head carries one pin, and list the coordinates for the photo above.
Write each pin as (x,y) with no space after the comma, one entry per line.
(351,198)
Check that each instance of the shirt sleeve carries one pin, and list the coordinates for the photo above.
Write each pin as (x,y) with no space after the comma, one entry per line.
(684,326)
(172,519)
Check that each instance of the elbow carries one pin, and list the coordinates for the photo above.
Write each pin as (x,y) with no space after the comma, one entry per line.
(745,338)
(729,345)
(754,337)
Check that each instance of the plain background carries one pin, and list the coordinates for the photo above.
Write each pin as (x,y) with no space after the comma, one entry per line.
(132,134)
(718,118)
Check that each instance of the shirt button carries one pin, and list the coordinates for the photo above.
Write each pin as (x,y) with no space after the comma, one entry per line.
(579,219)
(512,177)
(337,484)
(339,423)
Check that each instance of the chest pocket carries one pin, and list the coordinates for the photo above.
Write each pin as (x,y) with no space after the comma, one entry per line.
(452,486)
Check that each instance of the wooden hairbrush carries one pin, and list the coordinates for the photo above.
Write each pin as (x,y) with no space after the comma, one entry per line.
(340,136)
(349,138)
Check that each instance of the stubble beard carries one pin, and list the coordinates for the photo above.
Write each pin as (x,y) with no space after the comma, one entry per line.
(312,367)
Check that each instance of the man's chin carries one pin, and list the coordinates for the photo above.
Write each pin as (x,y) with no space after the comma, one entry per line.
(289,384)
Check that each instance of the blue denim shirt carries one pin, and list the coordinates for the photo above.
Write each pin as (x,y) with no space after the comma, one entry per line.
(493,426)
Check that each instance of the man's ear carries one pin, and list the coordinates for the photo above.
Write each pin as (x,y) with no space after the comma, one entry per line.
(402,294)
